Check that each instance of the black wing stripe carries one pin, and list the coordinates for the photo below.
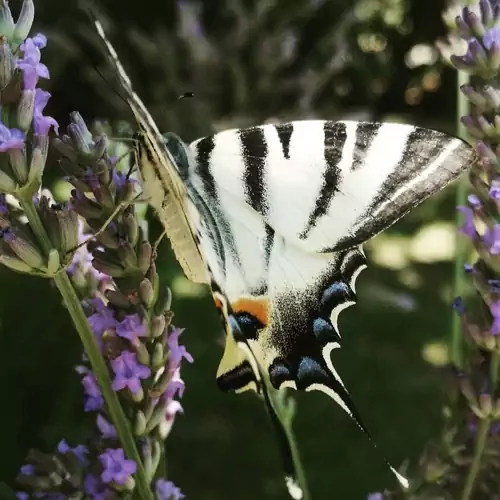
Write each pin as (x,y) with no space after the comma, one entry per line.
(335,135)
(285,131)
(365,133)
(204,150)
(254,151)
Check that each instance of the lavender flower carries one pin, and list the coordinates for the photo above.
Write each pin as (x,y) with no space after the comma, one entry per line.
(166,490)
(116,468)
(128,372)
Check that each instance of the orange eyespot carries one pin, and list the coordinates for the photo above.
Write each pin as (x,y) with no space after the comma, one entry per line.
(257,307)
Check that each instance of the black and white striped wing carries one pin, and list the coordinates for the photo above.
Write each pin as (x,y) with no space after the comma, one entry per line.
(290,206)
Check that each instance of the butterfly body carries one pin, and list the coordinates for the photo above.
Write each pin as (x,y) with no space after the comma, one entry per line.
(273,218)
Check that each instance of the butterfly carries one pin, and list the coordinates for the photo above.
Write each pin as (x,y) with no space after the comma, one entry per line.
(273,219)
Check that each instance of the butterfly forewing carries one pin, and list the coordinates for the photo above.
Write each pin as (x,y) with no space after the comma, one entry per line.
(162,184)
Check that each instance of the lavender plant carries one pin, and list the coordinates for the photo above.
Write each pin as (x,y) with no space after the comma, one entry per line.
(108,282)
(465,463)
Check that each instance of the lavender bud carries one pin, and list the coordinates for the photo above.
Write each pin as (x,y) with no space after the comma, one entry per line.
(158,324)
(462,27)
(462,63)
(486,404)
(84,206)
(6,20)
(157,417)
(7,65)
(138,396)
(144,256)
(158,357)
(25,109)
(24,22)
(118,299)
(100,147)
(67,151)
(18,163)
(24,246)
(106,264)
(146,292)
(142,353)
(161,384)
(479,55)
(139,423)
(486,12)
(9,259)
(79,133)
(156,455)
(127,255)
(164,301)
(492,96)
(470,123)
(475,24)
(494,57)
(147,460)
(485,126)
(473,96)
(132,228)
(485,152)
(62,227)
(7,183)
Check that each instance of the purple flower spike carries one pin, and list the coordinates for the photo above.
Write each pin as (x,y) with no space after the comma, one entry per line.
(131,327)
(79,451)
(492,36)
(30,64)
(495,190)
(468,228)
(103,319)
(107,430)
(166,490)
(492,239)
(495,312)
(93,397)
(4,208)
(42,124)
(474,200)
(95,488)
(27,470)
(116,467)
(10,138)
(40,40)
(128,372)
(177,352)
(21,495)
(375,496)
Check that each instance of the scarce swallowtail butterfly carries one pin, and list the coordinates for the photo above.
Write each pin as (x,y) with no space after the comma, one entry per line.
(273,219)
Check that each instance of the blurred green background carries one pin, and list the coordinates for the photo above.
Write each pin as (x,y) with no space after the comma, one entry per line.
(248,61)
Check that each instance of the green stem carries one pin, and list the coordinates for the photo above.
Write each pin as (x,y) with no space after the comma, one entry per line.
(456,344)
(283,414)
(99,368)
(470,481)
(482,434)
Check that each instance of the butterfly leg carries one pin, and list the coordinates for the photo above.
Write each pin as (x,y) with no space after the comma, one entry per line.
(157,243)
(122,205)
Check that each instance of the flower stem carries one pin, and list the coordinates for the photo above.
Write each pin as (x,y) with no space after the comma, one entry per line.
(280,405)
(470,481)
(456,346)
(97,363)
